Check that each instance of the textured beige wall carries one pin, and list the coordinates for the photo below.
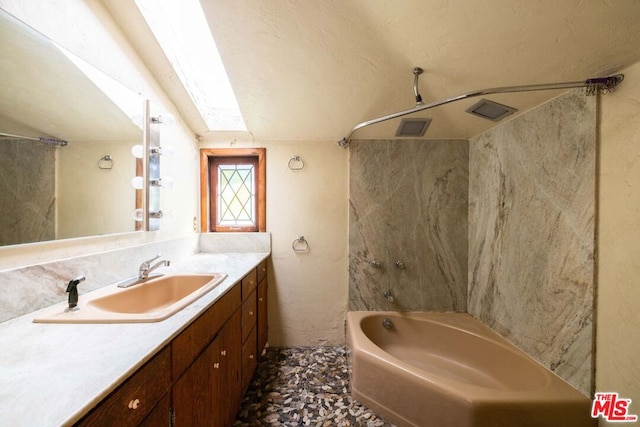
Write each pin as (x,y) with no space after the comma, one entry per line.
(618,310)
(93,200)
(308,296)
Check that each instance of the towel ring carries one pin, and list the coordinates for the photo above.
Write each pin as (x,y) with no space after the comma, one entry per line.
(300,245)
(106,162)
(296,163)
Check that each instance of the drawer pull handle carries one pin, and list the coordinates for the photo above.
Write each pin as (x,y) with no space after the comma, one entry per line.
(133,404)
(264,268)
(260,299)
(216,365)
(251,313)
(223,352)
(251,356)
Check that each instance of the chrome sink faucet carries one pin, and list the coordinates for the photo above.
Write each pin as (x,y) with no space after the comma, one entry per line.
(146,267)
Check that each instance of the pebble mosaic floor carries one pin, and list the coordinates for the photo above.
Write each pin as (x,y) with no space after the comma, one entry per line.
(304,386)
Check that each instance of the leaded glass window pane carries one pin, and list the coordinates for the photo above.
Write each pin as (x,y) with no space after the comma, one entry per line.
(236,195)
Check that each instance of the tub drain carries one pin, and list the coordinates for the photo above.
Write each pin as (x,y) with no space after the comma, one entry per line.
(387,323)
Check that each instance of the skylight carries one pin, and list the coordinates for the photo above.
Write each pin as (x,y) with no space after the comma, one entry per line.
(182,31)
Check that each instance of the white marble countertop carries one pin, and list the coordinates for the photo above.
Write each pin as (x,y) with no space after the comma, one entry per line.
(52,374)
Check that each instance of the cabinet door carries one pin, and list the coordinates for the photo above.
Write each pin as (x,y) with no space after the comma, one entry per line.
(130,404)
(249,359)
(193,394)
(229,396)
(161,414)
(263,322)
(199,334)
(249,314)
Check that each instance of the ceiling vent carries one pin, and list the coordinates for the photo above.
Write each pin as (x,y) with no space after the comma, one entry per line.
(490,110)
(413,127)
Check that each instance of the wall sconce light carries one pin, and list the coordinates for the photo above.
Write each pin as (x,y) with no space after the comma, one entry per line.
(138,151)
(148,209)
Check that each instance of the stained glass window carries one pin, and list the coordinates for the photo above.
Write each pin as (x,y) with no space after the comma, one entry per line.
(236,205)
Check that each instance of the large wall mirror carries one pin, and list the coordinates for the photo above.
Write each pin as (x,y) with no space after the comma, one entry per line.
(66,132)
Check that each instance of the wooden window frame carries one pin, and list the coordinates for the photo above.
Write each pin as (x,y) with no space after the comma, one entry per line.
(207,202)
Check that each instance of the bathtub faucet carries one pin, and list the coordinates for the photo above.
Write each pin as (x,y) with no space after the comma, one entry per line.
(388,295)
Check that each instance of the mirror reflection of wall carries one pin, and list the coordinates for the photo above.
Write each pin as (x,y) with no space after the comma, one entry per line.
(51,192)
(27,191)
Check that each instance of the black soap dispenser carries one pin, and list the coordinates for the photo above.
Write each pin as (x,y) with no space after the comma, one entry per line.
(72,290)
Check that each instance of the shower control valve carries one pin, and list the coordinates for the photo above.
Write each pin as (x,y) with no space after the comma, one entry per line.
(375,264)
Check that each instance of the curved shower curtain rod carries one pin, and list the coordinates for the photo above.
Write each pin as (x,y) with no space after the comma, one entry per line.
(593,86)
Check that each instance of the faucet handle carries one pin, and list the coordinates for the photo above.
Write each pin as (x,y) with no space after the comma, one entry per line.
(149,261)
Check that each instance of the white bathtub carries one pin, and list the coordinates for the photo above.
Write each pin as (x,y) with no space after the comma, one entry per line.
(450,370)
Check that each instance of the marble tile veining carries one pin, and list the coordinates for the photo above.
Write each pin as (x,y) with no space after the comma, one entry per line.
(304,386)
(30,288)
(531,233)
(408,203)
(27,192)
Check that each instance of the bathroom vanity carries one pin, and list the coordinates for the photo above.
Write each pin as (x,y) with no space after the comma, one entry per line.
(189,369)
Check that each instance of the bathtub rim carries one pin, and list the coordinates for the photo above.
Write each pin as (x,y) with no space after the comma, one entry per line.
(554,389)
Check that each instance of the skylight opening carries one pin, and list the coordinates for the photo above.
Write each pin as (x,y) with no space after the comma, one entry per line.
(183,33)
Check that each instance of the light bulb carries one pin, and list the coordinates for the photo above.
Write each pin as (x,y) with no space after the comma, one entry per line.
(137,215)
(167,182)
(165,119)
(137,151)
(167,150)
(137,182)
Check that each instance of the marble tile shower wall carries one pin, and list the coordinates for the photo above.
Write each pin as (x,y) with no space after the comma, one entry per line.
(531,233)
(27,289)
(27,192)
(408,203)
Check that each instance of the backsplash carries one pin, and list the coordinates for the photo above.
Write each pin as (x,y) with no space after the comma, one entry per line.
(27,289)
(531,233)
(408,203)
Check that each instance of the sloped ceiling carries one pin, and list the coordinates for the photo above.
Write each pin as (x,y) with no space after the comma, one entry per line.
(311,70)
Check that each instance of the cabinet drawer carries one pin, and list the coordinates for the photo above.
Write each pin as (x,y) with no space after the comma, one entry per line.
(249,283)
(130,403)
(262,270)
(249,359)
(249,314)
(195,338)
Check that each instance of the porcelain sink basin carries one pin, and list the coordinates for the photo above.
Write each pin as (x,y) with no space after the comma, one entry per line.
(150,301)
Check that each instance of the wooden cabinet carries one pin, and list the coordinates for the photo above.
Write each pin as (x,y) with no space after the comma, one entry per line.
(230,387)
(136,398)
(263,317)
(201,376)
